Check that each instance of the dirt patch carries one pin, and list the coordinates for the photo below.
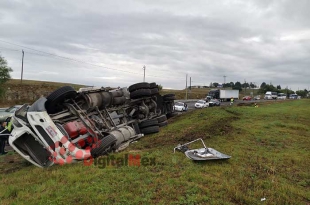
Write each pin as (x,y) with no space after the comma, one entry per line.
(12,162)
(252,104)
(221,127)
(231,111)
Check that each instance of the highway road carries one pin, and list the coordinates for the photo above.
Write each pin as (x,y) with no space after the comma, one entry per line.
(191,103)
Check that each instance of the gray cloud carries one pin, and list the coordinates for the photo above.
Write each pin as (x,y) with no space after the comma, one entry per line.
(253,40)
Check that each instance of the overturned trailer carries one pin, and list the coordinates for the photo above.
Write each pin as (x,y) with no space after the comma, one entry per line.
(69,125)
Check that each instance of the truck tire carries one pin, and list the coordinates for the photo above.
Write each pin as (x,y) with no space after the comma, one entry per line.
(54,100)
(140,93)
(164,123)
(170,115)
(169,98)
(103,146)
(153,85)
(169,95)
(138,86)
(148,123)
(154,91)
(161,118)
(150,130)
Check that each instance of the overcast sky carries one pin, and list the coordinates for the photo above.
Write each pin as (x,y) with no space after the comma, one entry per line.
(257,41)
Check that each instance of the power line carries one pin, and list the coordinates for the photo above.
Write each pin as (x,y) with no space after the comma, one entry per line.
(79,61)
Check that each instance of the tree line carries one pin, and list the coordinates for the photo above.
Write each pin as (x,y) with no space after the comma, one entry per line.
(235,86)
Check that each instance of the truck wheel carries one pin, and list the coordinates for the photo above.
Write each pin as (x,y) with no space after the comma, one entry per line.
(138,86)
(164,123)
(148,123)
(170,115)
(154,91)
(103,146)
(54,100)
(169,98)
(153,85)
(161,118)
(150,130)
(140,93)
(169,95)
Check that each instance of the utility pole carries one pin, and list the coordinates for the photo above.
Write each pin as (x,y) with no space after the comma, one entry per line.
(224,80)
(144,73)
(21,77)
(190,86)
(186,88)
(244,86)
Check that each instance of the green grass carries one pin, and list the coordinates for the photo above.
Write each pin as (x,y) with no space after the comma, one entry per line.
(269,146)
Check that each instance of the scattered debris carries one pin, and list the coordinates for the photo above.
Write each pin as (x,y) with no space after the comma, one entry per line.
(201,154)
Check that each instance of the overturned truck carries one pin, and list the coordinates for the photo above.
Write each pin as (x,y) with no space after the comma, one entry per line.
(69,125)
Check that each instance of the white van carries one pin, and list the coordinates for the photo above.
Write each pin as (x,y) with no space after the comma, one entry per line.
(271,95)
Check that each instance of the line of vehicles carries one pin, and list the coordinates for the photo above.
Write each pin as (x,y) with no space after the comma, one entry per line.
(182,106)
(272,96)
(269,95)
(216,96)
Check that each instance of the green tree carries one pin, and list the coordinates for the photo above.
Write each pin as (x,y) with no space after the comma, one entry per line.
(279,87)
(266,88)
(237,86)
(302,93)
(252,85)
(160,87)
(215,84)
(263,85)
(4,74)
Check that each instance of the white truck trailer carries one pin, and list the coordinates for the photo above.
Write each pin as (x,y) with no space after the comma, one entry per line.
(223,95)
(226,95)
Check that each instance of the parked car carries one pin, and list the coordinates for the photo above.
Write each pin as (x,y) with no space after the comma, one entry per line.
(247,98)
(8,112)
(293,96)
(281,96)
(69,126)
(201,104)
(257,97)
(180,106)
(214,102)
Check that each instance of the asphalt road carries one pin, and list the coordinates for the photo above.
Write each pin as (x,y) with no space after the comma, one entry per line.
(191,104)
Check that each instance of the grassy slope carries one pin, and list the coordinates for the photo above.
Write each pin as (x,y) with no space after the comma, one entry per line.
(37,82)
(269,146)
